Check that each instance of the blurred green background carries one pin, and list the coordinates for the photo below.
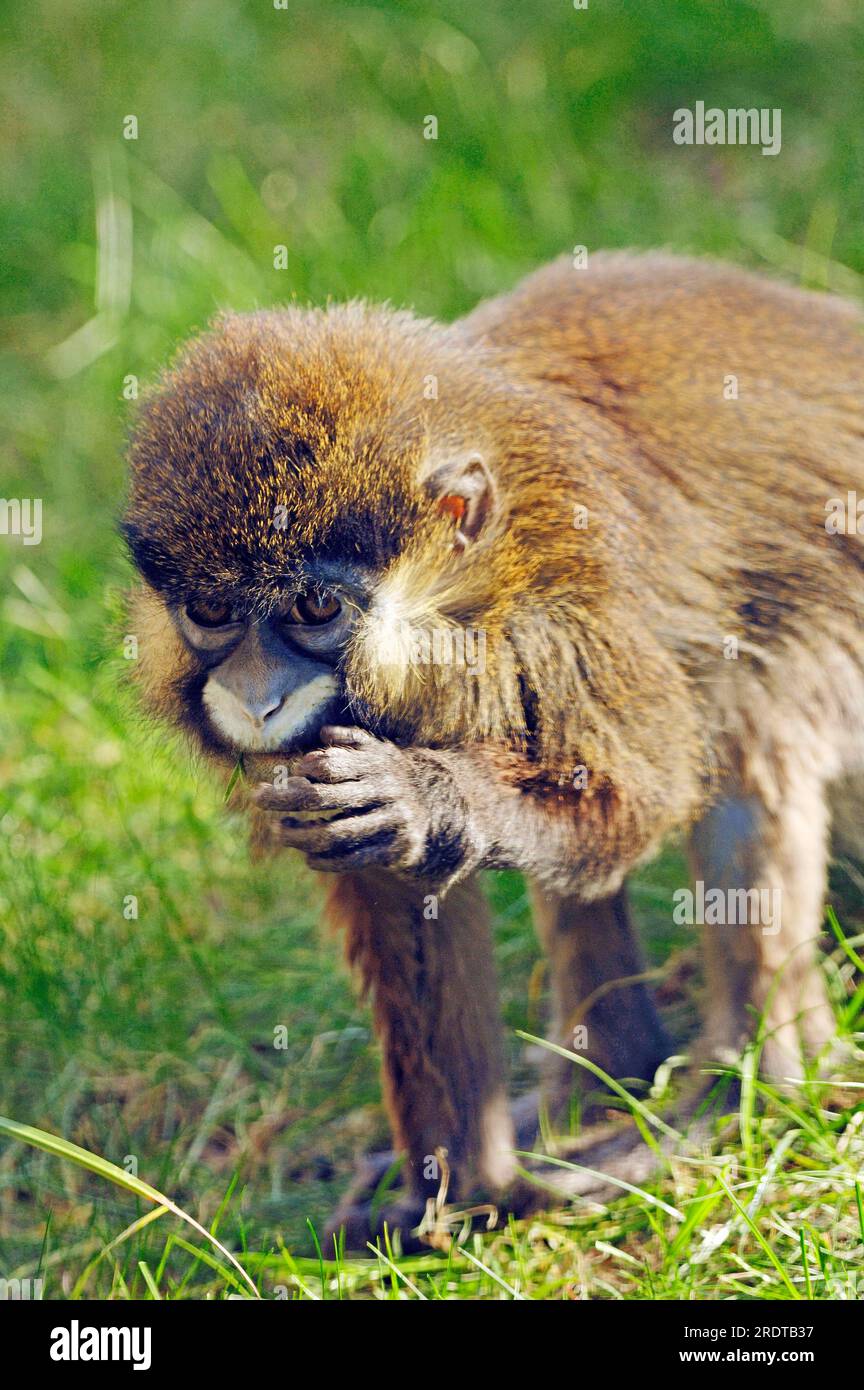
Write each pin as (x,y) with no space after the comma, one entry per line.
(152,1037)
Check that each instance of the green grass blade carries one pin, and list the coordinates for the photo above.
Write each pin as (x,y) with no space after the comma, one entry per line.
(761,1239)
(149,1281)
(153,1215)
(63,1148)
(619,1090)
(595,1173)
(496,1278)
(841,938)
(237,772)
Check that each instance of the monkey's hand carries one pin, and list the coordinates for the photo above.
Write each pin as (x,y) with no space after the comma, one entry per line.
(359,800)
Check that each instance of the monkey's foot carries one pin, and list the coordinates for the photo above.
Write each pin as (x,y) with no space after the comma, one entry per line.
(597,1165)
(422,1223)
(611,1157)
(377,1191)
(375,1198)
(357,1225)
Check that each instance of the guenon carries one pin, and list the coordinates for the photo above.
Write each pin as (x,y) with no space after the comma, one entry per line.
(620,484)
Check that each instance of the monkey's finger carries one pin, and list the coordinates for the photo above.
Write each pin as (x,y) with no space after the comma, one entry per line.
(375,828)
(346,736)
(340,764)
(381,851)
(299,794)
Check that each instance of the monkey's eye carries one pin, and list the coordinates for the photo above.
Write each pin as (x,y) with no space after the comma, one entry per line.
(204,613)
(314,608)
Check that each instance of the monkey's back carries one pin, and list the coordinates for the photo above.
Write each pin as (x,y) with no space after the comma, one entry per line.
(739,406)
(715,370)
(744,395)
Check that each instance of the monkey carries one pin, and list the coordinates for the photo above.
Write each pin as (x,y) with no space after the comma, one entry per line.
(621,477)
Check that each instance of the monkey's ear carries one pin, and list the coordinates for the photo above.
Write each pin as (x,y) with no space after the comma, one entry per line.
(465,491)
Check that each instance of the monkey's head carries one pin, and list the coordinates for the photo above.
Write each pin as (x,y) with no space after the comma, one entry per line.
(316,509)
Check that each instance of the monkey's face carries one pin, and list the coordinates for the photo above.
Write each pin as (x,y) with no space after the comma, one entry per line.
(258,517)
(264,683)
(268,683)
(255,662)
(336,646)
(299,525)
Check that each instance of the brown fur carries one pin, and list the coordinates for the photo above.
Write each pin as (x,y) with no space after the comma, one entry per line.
(602,388)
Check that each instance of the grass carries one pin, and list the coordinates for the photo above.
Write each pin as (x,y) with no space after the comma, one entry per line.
(145,970)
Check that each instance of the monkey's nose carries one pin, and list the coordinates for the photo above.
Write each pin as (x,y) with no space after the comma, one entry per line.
(259,714)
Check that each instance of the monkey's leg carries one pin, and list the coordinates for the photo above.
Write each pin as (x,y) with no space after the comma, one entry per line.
(593,953)
(434,993)
(776,853)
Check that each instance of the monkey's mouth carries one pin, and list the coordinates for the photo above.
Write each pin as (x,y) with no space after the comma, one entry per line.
(225,734)
(228,739)
(301,740)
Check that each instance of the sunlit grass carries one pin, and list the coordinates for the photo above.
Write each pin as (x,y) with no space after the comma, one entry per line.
(788,1226)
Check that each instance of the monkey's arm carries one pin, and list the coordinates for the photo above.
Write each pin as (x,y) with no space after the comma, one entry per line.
(440,815)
